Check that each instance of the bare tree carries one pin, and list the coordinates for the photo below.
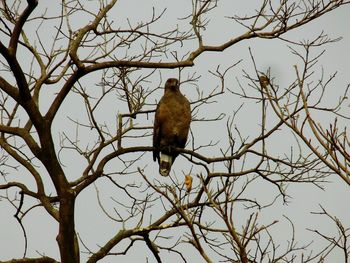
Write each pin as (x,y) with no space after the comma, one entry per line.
(78,94)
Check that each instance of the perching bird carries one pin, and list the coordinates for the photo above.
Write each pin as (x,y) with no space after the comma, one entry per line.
(264,81)
(171,125)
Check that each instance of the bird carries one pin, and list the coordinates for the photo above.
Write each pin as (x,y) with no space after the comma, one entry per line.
(171,125)
(264,81)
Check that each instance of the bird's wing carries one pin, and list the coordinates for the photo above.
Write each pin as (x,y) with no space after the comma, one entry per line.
(156,135)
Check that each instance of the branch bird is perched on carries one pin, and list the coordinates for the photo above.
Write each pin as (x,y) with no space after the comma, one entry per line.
(171,125)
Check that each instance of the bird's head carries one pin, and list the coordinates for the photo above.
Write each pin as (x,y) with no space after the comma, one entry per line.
(171,84)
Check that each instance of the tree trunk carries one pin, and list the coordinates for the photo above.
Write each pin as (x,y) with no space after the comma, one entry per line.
(67,239)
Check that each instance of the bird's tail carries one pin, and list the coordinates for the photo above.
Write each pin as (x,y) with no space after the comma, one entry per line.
(165,164)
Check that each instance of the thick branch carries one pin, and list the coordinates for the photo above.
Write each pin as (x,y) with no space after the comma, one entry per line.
(7,87)
(31,260)
(122,234)
(19,25)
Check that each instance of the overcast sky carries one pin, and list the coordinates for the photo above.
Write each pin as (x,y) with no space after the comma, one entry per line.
(269,54)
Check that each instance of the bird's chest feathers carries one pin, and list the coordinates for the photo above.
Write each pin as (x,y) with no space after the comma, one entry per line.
(172,108)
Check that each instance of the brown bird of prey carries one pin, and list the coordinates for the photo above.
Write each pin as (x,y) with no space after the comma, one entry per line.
(171,125)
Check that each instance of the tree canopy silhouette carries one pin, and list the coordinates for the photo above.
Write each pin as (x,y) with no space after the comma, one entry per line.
(79,85)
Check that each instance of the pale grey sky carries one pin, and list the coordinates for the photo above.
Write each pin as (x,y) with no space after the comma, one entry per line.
(95,228)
